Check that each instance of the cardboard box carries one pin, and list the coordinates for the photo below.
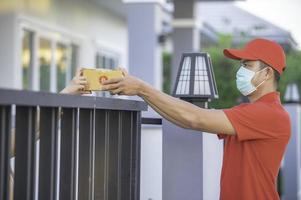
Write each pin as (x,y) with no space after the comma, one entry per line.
(94,77)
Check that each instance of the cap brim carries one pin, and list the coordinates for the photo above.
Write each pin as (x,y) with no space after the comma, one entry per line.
(238,54)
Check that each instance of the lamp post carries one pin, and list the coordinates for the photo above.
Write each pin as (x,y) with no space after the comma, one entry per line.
(189,171)
(195,80)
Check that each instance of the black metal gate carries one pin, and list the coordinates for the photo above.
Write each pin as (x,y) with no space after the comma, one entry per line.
(69,147)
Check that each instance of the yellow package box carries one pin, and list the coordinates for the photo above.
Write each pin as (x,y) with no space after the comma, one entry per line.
(95,76)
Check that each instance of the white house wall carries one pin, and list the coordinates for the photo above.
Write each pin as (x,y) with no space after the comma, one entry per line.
(9,77)
(88,24)
(151,163)
(212,165)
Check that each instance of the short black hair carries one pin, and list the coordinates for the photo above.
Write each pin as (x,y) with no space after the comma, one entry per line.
(276,73)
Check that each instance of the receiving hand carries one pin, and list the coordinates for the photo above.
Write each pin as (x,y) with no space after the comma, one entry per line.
(76,85)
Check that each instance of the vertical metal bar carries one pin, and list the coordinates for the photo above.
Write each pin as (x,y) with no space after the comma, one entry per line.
(107,154)
(119,154)
(24,182)
(138,151)
(136,144)
(100,154)
(113,156)
(48,153)
(85,178)
(92,150)
(68,154)
(5,137)
(126,135)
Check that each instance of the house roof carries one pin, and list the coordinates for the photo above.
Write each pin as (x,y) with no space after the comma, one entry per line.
(227,18)
(221,17)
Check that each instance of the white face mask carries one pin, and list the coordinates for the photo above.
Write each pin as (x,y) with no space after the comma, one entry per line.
(243,81)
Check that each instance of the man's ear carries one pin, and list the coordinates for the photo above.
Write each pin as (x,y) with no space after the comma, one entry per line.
(270,72)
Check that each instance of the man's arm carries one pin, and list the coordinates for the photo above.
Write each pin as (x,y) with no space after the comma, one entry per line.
(186,114)
(164,114)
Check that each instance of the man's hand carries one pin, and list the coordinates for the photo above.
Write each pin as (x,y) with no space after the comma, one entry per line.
(127,85)
(77,84)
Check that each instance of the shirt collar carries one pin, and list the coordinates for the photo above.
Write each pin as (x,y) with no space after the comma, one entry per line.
(270,97)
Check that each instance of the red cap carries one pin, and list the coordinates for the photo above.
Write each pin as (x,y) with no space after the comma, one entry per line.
(264,50)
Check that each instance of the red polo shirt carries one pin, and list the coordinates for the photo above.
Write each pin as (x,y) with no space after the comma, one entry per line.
(252,157)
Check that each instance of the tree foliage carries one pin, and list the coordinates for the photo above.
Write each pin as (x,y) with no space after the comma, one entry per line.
(224,70)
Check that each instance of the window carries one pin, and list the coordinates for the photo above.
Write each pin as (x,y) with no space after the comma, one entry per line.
(74,60)
(106,60)
(201,82)
(27,58)
(45,56)
(49,59)
(61,64)
(184,80)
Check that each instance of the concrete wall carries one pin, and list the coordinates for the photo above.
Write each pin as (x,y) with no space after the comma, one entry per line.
(192,162)
(292,158)
(182,163)
(145,24)
(213,149)
(151,162)
(9,73)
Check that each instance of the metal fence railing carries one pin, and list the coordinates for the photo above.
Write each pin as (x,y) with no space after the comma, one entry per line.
(66,147)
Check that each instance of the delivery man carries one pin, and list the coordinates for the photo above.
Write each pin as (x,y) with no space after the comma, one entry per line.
(255,134)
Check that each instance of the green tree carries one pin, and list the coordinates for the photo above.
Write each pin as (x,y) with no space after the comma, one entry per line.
(166,72)
(224,70)
(292,72)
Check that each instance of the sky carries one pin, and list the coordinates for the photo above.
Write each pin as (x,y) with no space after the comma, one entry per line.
(283,13)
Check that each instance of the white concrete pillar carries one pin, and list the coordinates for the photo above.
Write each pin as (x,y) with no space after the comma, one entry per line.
(145,62)
(10,40)
(292,158)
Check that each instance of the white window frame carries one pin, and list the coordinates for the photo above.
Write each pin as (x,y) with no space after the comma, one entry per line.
(109,53)
(55,36)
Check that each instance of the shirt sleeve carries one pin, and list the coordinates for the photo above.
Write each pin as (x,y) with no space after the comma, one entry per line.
(252,121)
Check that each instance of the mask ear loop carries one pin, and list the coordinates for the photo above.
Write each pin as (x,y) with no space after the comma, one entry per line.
(262,81)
